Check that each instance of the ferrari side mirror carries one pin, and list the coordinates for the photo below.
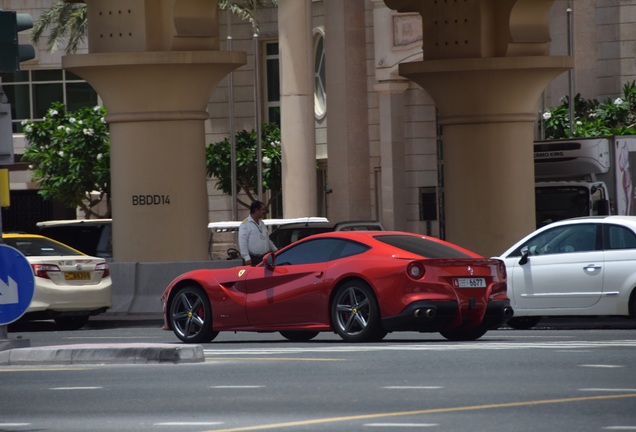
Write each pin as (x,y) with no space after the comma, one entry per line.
(270,260)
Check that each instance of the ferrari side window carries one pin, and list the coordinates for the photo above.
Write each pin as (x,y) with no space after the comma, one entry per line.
(309,252)
(350,248)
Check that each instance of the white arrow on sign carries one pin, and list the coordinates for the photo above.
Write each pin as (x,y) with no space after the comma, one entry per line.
(8,293)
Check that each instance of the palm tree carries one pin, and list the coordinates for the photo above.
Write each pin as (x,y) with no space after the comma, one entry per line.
(68,21)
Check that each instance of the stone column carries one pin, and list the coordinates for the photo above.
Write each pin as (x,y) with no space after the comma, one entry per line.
(297,108)
(155,64)
(348,175)
(392,162)
(485,65)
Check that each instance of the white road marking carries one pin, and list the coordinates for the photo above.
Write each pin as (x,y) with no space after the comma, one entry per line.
(189,424)
(397,425)
(611,390)
(620,428)
(111,337)
(237,386)
(412,387)
(76,388)
(435,346)
(11,425)
(609,366)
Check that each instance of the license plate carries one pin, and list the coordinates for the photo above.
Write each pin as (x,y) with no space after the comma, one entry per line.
(470,282)
(77,275)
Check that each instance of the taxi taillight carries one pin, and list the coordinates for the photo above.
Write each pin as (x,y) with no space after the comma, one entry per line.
(104,268)
(43,270)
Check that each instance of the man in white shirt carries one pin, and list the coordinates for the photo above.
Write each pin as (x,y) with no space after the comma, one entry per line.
(254,239)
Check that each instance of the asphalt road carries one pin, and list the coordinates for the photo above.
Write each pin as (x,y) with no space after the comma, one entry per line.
(578,377)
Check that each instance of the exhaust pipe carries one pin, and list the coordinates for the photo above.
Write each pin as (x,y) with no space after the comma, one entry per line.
(427,313)
(508,312)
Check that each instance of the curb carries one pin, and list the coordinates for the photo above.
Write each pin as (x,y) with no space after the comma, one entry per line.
(103,354)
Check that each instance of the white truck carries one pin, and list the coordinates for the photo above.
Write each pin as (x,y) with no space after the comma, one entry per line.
(584,177)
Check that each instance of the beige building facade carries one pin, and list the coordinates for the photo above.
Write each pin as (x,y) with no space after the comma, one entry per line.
(385,141)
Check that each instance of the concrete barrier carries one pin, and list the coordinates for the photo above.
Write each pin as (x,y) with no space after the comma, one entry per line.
(137,287)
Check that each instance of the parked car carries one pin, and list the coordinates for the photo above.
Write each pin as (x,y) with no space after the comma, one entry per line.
(91,236)
(289,233)
(582,266)
(69,285)
(359,284)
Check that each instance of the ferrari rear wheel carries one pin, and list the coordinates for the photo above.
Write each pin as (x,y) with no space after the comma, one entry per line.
(355,313)
(190,315)
(299,335)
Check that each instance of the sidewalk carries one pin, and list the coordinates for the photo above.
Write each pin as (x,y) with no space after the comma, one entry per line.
(122,353)
(18,352)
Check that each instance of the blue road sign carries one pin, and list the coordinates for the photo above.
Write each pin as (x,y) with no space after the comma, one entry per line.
(16,284)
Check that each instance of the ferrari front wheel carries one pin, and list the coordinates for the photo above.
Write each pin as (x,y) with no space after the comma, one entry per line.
(355,313)
(190,315)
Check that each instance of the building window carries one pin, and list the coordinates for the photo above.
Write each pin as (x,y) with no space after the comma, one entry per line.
(272,80)
(320,78)
(31,93)
(428,204)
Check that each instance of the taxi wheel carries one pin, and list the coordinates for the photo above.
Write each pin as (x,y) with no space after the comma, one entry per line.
(191,315)
(71,322)
(355,313)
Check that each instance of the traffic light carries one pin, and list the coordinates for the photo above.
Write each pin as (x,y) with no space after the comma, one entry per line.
(12,52)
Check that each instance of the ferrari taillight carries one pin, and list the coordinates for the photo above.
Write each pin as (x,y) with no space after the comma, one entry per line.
(43,270)
(103,267)
(416,270)
(502,270)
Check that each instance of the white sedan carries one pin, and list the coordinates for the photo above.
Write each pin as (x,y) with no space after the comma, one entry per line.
(574,267)
(69,285)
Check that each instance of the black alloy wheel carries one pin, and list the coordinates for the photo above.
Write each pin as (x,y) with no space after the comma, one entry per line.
(190,315)
(355,313)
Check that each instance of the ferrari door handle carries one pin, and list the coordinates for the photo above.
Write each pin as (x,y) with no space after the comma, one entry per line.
(319,275)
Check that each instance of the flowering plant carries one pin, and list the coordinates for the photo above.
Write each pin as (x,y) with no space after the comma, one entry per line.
(69,155)
(592,118)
